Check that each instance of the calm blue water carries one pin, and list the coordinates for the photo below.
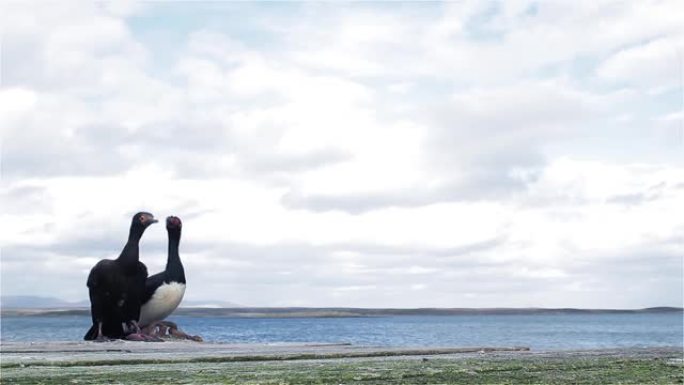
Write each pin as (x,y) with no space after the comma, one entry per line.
(541,332)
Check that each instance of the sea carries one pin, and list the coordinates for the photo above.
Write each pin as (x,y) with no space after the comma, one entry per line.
(537,331)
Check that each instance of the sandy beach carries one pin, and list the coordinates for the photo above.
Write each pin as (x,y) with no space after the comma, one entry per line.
(175,362)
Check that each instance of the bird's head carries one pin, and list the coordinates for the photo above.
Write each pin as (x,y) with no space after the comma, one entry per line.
(143,219)
(173,227)
(173,223)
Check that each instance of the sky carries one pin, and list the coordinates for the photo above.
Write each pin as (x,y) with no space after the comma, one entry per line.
(357,154)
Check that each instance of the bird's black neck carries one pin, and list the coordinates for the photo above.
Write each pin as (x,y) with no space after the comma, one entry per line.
(174,267)
(131,253)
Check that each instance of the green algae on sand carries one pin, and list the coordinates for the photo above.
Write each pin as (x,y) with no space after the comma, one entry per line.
(631,366)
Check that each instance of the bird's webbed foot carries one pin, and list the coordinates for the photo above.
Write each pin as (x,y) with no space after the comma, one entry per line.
(100,337)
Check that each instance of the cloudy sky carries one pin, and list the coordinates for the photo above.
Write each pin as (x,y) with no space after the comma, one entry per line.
(409,154)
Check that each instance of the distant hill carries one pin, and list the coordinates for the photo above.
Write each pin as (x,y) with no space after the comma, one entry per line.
(36,302)
(301,312)
(209,304)
(297,312)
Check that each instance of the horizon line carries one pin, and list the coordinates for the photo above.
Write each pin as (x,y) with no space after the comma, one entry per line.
(244,307)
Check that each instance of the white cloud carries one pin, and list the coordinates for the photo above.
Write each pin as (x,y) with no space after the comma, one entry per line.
(347,155)
(15,103)
(655,66)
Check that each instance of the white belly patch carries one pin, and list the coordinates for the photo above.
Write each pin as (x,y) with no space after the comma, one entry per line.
(165,300)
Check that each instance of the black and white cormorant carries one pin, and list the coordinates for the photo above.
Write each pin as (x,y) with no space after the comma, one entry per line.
(164,291)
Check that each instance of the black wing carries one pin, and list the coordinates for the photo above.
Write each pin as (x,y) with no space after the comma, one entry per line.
(103,291)
(136,289)
(97,294)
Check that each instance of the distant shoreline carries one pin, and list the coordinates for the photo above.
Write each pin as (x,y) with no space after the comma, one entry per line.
(339,312)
